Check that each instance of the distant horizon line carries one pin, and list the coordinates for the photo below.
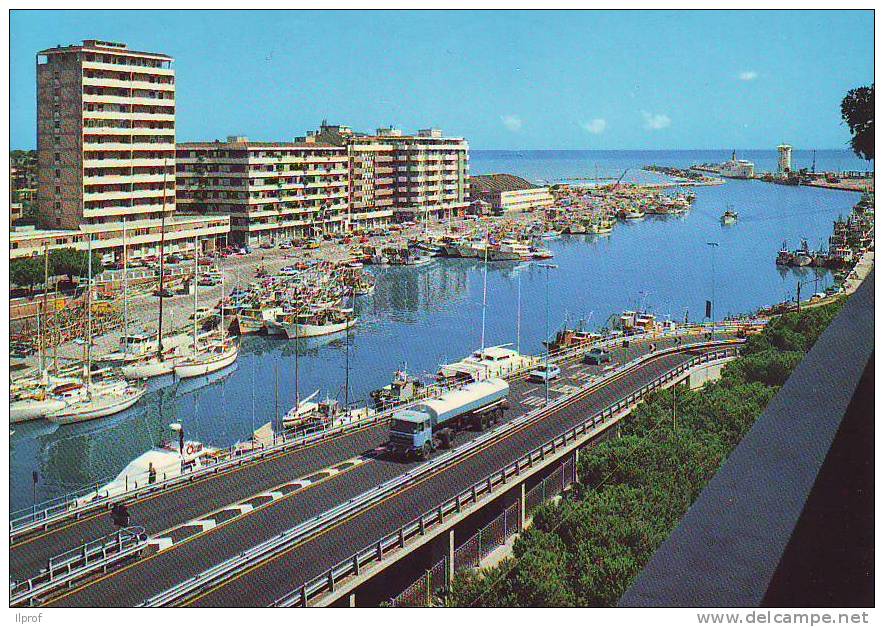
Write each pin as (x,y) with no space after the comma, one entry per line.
(794,149)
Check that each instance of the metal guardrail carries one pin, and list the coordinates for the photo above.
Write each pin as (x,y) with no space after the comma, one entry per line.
(419,526)
(228,569)
(28,520)
(64,569)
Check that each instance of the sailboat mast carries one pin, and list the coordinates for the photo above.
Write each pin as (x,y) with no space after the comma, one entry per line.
(89,314)
(125,292)
(196,268)
(42,337)
(162,266)
(222,306)
(347,360)
(485,289)
(518,312)
(297,352)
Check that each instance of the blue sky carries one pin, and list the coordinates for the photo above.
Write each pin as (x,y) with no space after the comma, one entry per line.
(507,80)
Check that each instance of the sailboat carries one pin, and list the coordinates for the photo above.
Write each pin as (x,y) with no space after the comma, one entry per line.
(95,400)
(216,356)
(163,361)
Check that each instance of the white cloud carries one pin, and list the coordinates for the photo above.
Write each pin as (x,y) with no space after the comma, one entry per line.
(512,122)
(748,75)
(594,126)
(656,121)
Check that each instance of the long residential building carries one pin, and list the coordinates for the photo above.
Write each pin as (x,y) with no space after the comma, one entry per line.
(271,190)
(106,143)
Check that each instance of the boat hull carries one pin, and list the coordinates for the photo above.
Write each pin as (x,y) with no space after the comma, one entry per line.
(33,409)
(302,331)
(190,369)
(87,410)
(149,369)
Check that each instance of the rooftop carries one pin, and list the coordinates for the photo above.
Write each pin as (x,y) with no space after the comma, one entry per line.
(96,45)
(499,183)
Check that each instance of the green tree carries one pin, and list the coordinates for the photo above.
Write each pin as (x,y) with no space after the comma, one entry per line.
(71,262)
(858,110)
(26,272)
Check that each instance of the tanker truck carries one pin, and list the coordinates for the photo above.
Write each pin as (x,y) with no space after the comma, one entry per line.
(418,431)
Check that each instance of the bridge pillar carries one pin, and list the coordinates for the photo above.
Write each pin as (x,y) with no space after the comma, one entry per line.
(522,518)
(450,556)
(352,599)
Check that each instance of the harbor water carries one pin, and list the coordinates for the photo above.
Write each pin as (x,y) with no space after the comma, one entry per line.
(422,317)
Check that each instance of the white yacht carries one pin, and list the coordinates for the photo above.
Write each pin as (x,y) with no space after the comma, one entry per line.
(166,461)
(98,400)
(490,362)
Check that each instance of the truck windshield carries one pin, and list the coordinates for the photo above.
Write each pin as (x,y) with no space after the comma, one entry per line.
(405,426)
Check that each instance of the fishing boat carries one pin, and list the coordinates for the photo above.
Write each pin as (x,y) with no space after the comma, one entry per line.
(322,415)
(572,338)
(314,323)
(401,389)
(254,319)
(541,253)
(603,226)
(729,217)
(509,250)
(784,257)
(633,214)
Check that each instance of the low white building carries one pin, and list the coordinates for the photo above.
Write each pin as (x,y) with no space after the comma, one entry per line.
(506,192)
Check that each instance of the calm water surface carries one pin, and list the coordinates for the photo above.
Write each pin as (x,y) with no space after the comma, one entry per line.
(426,316)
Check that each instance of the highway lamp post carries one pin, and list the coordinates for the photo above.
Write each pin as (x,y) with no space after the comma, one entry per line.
(713,246)
(547,267)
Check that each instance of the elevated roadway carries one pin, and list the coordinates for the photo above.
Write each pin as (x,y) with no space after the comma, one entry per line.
(201,524)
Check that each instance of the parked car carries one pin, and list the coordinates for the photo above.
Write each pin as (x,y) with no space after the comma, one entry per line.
(20,349)
(597,356)
(546,372)
(201,312)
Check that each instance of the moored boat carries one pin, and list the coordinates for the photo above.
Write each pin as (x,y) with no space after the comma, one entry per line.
(216,356)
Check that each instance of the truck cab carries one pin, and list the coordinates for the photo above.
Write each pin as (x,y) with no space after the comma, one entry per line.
(411,431)
(420,430)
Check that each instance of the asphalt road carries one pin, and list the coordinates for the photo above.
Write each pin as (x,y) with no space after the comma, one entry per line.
(188,557)
(263,585)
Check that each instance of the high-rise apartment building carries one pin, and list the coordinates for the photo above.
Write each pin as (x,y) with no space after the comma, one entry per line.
(105,134)
(271,190)
(106,144)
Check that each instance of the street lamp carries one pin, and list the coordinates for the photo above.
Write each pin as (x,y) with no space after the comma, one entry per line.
(547,267)
(712,245)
